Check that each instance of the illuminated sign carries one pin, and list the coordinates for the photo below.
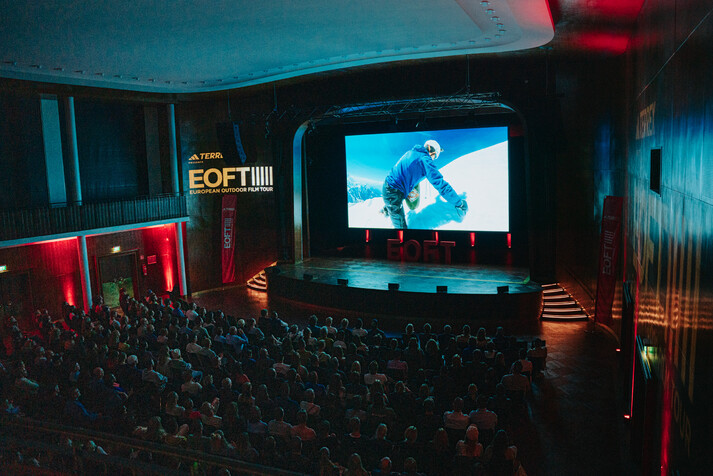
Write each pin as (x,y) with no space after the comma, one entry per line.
(231,180)
(3,268)
(116,249)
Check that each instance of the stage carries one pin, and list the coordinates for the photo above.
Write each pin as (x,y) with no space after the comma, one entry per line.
(471,292)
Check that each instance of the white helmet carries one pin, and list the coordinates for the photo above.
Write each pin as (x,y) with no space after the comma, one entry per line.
(433,147)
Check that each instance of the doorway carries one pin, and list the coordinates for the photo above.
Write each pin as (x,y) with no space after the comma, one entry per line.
(116,271)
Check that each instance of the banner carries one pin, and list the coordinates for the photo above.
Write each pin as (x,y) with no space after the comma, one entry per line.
(227,236)
(608,257)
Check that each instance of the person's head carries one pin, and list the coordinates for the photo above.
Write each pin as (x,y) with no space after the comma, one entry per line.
(411,434)
(433,148)
(471,434)
(354,463)
(385,465)
(381,431)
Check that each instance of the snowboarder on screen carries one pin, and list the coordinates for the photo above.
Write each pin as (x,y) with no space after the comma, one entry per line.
(405,176)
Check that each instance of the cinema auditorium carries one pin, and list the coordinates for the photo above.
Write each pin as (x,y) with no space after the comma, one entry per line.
(434,237)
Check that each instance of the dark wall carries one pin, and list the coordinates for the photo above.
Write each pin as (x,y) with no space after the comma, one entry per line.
(590,159)
(669,235)
(24,178)
(112,150)
(256,229)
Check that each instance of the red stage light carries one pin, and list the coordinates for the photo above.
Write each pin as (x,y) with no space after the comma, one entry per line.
(627,417)
(472,239)
(367,238)
(509,238)
(435,236)
(401,236)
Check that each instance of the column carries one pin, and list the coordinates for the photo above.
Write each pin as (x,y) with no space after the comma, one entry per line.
(75,184)
(181,259)
(173,159)
(52,140)
(84,272)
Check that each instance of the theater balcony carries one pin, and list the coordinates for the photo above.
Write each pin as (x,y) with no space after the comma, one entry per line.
(19,226)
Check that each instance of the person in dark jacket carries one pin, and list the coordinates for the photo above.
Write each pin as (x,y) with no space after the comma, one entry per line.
(411,168)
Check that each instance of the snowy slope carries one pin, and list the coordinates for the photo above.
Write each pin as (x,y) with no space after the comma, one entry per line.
(481,178)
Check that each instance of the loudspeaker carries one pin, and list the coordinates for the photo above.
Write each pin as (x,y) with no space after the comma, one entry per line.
(307,277)
(230,144)
(393,286)
(503,289)
(441,289)
(342,282)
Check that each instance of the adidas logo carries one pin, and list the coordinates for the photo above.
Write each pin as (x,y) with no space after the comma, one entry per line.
(194,157)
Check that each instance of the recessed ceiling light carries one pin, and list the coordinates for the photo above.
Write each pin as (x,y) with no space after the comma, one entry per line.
(484,3)
(499,25)
(495,18)
(489,11)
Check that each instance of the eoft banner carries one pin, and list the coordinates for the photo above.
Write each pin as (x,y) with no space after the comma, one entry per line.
(206,178)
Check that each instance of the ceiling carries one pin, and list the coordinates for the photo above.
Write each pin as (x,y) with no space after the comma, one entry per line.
(187,46)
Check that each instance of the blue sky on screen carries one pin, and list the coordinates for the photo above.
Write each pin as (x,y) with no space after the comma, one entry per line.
(371,156)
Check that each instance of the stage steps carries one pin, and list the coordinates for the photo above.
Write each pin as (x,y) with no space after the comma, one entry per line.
(258,282)
(559,305)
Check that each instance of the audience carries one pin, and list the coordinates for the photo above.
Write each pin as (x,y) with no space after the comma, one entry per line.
(139,374)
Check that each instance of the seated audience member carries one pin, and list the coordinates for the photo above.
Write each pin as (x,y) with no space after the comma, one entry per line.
(151,376)
(515,383)
(526,364)
(373,375)
(470,447)
(301,429)
(537,355)
(483,418)
(373,332)
(378,447)
(255,424)
(308,405)
(384,468)
(455,419)
(355,467)
(75,412)
(172,407)
(411,468)
(295,460)
(359,330)
(481,339)
(278,428)
(470,400)
(463,337)
(500,457)
(325,466)
(189,385)
(331,330)
(208,415)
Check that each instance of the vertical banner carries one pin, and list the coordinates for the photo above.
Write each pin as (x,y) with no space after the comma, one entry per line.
(227,237)
(608,257)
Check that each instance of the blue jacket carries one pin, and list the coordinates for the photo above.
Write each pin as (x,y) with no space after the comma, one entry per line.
(413,166)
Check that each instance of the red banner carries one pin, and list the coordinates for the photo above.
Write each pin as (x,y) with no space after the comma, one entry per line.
(227,237)
(608,257)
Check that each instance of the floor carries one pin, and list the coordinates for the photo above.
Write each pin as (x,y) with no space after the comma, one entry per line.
(575,425)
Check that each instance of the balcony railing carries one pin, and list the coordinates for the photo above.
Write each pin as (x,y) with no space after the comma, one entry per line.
(46,221)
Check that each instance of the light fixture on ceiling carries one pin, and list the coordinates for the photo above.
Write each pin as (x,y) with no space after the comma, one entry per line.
(495,18)
(484,3)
